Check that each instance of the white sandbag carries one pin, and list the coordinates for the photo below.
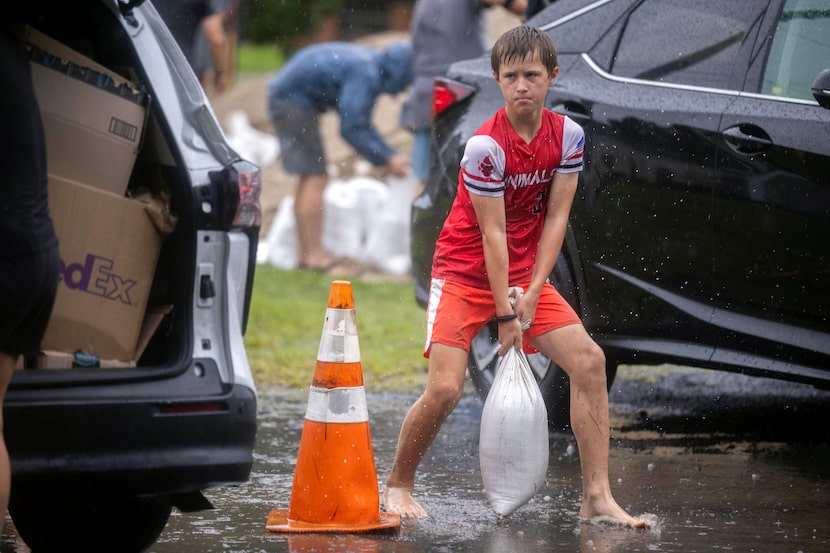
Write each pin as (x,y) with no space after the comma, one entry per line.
(344,225)
(249,142)
(280,245)
(349,208)
(513,442)
(387,245)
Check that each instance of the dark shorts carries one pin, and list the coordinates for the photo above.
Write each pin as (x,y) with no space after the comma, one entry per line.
(28,285)
(298,130)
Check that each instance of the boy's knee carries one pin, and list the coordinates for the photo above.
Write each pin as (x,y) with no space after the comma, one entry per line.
(589,367)
(594,363)
(447,395)
(596,358)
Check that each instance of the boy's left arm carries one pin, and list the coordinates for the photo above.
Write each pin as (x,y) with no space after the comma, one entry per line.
(562,192)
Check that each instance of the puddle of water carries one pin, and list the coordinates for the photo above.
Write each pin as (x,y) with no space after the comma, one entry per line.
(728,487)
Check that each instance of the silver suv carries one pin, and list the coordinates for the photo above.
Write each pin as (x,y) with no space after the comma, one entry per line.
(142,396)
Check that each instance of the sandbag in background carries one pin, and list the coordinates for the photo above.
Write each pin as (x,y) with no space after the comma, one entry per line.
(365,219)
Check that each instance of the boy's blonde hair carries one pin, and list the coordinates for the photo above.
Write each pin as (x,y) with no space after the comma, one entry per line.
(522,43)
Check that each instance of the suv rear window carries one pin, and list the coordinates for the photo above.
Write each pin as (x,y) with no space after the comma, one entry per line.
(701,50)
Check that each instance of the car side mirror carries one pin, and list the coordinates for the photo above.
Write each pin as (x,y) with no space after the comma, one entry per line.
(821,89)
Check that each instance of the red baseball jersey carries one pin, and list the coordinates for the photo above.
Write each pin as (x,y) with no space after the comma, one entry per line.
(498,162)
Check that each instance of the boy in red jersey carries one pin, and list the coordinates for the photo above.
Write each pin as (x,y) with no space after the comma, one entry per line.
(506,227)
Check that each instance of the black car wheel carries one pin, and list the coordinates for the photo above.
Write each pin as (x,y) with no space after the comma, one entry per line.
(552,380)
(49,522)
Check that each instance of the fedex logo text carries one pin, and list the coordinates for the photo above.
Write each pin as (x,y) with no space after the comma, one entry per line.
(94,276)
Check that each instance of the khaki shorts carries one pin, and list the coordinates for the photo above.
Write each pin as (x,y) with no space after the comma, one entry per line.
(456,314)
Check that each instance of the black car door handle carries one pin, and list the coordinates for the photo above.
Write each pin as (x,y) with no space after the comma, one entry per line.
(747,138)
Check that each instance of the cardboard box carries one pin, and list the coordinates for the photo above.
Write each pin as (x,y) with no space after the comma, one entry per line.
(109,249)
(30,35)
(61,360)
(93,118)
(48,359)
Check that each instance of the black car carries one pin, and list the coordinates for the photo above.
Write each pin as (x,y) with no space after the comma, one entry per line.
(698,234)
(108,430)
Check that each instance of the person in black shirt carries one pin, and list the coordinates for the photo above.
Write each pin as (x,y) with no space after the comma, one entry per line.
(185,18)
(29,258)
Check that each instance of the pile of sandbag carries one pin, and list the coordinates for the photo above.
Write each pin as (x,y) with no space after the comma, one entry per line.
(365,219)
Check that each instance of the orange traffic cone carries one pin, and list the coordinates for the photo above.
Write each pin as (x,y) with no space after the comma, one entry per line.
(335,483)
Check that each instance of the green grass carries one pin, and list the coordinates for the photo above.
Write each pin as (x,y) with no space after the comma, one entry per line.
(259,58)
(288,309)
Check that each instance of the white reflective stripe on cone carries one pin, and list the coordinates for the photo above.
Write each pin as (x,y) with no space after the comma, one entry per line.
(339,343)
(337,405)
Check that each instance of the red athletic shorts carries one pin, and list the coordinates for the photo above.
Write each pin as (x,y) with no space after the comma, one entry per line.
(456,314)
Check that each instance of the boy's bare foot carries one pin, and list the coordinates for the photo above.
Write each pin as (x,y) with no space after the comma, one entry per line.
(608,511)
(401,502)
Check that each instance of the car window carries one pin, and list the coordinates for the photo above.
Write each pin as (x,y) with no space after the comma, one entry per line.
(800,49)
(574,30)
(692,42)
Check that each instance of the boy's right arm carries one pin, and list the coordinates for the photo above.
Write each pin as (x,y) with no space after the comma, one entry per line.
(482,167)
(491,221)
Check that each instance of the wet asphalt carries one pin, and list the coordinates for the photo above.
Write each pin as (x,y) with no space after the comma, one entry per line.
(721,462)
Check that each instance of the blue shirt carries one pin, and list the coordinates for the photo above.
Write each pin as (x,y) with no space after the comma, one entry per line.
(348,78)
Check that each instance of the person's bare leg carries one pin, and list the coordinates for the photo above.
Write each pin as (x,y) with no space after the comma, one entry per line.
(308,217)
(573,349)
(7,363)
(445,385)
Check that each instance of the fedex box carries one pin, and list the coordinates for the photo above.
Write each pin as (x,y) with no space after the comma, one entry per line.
(64,360)
(109,248)
(93,118)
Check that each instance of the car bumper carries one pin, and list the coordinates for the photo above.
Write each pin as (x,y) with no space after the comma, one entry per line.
(135,447)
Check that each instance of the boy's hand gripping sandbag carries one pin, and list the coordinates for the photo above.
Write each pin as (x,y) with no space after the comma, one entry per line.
(513,445)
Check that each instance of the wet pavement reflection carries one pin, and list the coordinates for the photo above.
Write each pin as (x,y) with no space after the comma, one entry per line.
(723,462)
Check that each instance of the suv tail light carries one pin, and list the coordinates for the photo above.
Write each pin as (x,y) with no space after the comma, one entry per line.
(249,185)
(446,93)
(232,198)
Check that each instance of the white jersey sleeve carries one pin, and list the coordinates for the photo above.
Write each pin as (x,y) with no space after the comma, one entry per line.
(482,166)
(573,145)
